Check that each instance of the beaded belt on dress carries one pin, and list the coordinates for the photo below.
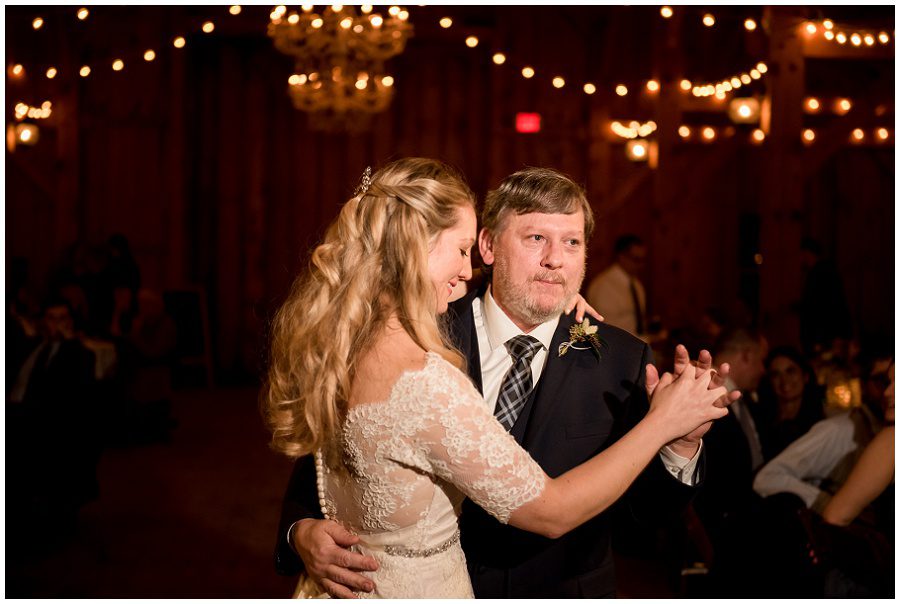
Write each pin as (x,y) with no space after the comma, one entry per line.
(405,552)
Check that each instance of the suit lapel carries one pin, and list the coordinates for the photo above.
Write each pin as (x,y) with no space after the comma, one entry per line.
(462,329)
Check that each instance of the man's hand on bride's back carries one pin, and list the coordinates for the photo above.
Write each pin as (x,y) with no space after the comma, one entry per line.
(324,547)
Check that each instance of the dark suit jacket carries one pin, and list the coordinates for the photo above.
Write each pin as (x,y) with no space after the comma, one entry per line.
(728,483)
(579,407)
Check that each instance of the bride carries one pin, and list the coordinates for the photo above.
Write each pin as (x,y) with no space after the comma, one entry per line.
(363,377)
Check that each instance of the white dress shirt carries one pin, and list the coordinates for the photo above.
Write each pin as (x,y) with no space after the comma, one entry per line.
(826,452)
(494,328)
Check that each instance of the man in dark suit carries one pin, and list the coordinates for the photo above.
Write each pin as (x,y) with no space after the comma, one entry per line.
(533,242)
(51,396)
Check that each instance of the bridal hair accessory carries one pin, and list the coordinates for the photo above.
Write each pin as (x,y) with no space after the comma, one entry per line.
(364,183)
(584,334)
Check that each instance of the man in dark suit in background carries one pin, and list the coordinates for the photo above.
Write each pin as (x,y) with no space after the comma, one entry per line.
(533,241)
(52,441)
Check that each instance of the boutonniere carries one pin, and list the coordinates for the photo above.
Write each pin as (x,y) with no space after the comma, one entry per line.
(582,336)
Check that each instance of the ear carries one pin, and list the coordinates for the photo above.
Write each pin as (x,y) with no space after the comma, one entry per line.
(486,246)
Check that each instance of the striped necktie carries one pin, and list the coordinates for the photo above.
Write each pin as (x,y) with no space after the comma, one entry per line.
(517,384)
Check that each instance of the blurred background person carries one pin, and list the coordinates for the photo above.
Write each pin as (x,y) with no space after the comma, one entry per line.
(790,400)
(617,293)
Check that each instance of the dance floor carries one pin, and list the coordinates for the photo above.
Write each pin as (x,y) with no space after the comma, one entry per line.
(191,518)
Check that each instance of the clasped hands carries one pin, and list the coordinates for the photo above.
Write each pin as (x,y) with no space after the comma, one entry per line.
(688,444)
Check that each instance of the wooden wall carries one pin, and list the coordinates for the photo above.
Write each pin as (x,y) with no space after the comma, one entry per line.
(200,159)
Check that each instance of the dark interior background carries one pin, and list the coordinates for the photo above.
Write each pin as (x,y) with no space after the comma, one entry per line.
(201,161)
(222,188)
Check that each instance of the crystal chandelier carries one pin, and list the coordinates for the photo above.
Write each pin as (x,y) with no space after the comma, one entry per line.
(339,55)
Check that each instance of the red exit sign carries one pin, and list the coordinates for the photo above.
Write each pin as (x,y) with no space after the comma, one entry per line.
(528,122)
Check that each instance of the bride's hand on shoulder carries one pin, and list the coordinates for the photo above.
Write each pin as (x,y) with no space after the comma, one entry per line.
(581,306)
(323,545)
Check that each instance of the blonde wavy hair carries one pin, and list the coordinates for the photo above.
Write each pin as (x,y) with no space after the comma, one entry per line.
(372,263)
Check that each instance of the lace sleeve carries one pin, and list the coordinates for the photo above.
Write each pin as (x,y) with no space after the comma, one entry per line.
(468,447)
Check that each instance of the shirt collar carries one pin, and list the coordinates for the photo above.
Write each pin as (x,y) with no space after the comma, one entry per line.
(500,328)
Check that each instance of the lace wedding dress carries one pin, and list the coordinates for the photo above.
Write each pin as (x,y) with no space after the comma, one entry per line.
(413,459)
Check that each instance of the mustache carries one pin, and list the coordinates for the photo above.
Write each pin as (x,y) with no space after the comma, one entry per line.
(549,277)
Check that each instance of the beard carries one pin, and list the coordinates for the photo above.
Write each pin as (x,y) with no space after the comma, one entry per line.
(519,300)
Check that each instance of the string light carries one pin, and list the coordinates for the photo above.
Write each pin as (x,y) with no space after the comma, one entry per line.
(178,42)
(652,86)
(83,14)
(18,70)
(23,110)
(235,9)
(34,113)
(85,71)
(118,65)
(37,23)
(685,85)
(558,82)
(684,132)
(882,133)
(637,150)
(51,73)
(857,135)
(621,90)
(634,129)
(758,136)
(856,38)
(749,24)
(709,20)
(590,88)
(666,12)
(527,72)
(471,41)
(446,22)
(149,55)
(842,106)
(812,105)
(499,58)
(393,11)
(809,135)
(708,133)
(729,84)
(387,81)
(208,27)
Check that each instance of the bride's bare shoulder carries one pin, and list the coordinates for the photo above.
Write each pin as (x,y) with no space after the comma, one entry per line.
(379,367)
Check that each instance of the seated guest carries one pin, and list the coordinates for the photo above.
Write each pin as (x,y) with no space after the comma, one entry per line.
(52,395)
(854,548)
(817,464)
(790,400)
